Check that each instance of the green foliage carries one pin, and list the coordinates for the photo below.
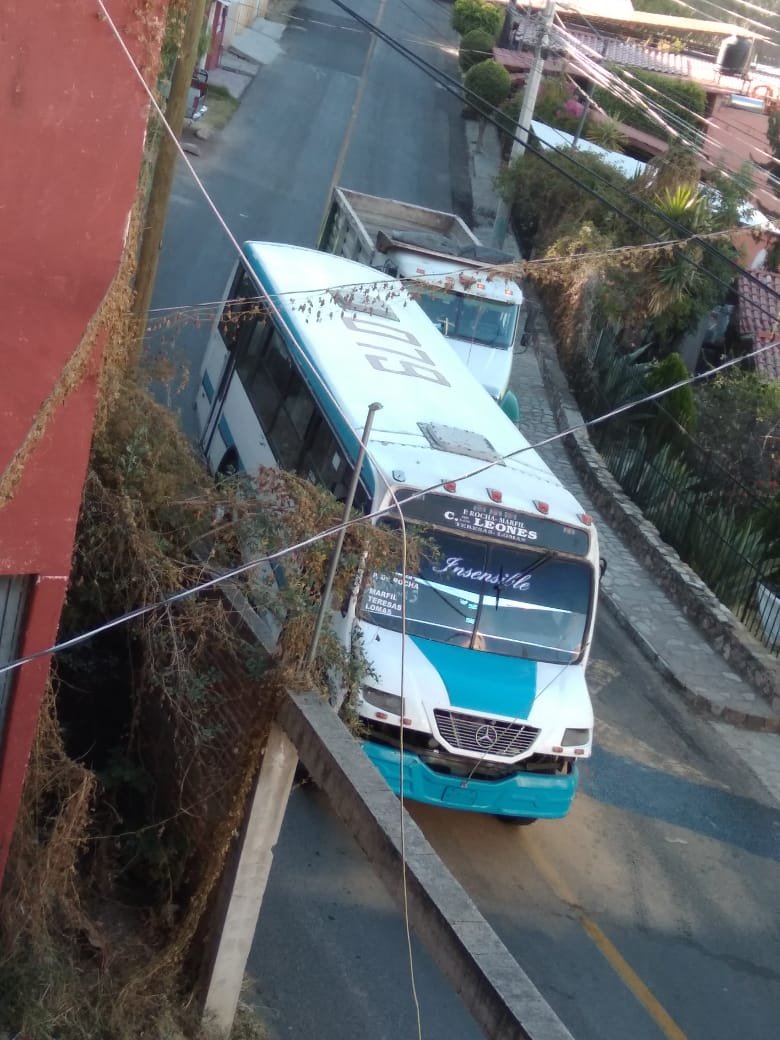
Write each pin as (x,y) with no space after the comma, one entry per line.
(678,406)
(490,82)
(727,551)
(477,14)
(607,133)
(547,206)
(739,423)
(620,377)
(549,108)
(682,98)
(475,46)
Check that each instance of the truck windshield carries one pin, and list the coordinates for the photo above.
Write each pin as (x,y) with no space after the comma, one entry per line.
(487,597)
(471,318)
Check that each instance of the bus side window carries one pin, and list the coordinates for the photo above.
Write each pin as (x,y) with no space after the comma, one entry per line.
(289,428)
(250,367)
(323,455)
(243,304)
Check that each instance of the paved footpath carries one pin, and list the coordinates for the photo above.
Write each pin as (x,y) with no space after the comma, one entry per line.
(644,610)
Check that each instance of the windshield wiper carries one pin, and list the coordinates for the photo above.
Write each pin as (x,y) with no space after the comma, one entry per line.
(497,588)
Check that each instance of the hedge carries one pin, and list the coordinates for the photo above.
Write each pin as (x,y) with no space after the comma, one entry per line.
(490,82)
(685,100)
(477,14)
(475,46)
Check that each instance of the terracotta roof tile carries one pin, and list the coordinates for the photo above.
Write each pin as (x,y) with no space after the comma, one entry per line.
(757,303)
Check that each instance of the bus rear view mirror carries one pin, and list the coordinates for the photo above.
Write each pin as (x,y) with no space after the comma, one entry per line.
(602,566)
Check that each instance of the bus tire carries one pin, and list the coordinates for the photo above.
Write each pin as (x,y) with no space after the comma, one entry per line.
(517,821)
(228,466)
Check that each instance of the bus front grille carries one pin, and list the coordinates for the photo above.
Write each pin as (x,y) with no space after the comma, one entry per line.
(485,736)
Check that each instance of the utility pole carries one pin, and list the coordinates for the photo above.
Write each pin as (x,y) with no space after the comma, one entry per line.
(584,115)
(164,168)
(336,554)
(530,93)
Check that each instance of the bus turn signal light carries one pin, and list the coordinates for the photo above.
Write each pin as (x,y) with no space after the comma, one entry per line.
(449,485)
(495,495)
(543,507)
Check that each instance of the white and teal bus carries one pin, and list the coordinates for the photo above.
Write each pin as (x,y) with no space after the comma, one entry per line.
(492,712)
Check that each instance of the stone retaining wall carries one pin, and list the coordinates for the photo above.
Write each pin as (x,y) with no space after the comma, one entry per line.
(744,653)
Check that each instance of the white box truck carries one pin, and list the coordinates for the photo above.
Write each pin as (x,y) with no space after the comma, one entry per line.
(479,311)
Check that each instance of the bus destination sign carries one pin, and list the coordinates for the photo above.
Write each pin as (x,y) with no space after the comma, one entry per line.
(495,522)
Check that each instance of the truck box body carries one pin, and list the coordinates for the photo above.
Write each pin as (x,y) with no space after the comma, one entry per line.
(478,311)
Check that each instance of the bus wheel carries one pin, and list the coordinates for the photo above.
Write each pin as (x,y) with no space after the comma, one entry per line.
(228,467)
(518,821)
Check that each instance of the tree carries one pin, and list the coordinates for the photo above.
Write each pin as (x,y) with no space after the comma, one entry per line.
(678,407)
(475,46)
(739,424)
(477,14)
(490,83)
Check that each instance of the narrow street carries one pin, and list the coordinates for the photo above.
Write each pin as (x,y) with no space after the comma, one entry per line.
(651,911)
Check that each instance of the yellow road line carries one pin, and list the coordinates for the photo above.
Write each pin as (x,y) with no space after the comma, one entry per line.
(617,961)
(356,106)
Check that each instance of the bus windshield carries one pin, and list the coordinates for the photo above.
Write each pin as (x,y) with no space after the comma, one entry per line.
(488,597)
(471,318)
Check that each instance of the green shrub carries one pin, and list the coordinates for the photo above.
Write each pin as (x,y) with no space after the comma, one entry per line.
(678,404)
(550,107)
(490,82)
(682,98)
(477,14)
(607,133)
(475,46)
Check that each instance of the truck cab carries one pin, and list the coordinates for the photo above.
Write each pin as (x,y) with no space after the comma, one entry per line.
(479,314)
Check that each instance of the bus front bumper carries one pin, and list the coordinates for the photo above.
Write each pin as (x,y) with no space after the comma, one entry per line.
(530,795)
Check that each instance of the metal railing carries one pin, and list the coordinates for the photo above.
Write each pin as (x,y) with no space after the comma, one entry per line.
(699,507)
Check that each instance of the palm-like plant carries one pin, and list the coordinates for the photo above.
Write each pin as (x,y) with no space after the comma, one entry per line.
(678,288)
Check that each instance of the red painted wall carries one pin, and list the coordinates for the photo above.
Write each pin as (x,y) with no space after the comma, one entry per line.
(72,121)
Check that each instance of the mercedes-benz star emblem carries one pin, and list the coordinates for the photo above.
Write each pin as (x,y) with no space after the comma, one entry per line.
(486,736)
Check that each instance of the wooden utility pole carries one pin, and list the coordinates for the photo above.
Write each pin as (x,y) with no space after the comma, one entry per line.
(165,166)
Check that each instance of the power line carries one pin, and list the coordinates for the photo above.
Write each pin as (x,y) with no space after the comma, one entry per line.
(204,586)
(508,270)
(235,572)
(462,93)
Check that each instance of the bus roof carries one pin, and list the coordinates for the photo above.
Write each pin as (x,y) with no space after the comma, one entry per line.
(369,341)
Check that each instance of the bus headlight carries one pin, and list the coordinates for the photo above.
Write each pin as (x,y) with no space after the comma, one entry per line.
(575,737)
(384,701)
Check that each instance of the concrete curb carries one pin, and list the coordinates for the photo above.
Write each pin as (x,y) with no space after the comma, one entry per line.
(490,982)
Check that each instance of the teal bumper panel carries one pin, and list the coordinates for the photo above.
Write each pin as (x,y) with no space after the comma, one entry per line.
(524,794)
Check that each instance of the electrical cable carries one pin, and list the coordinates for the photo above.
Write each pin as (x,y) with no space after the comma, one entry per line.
(591,66)
(512,269)
(138,612)
(328,532)
(462,93)
(128,616)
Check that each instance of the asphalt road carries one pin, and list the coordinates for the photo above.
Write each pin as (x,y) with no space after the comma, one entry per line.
(652,910)
(335,109)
